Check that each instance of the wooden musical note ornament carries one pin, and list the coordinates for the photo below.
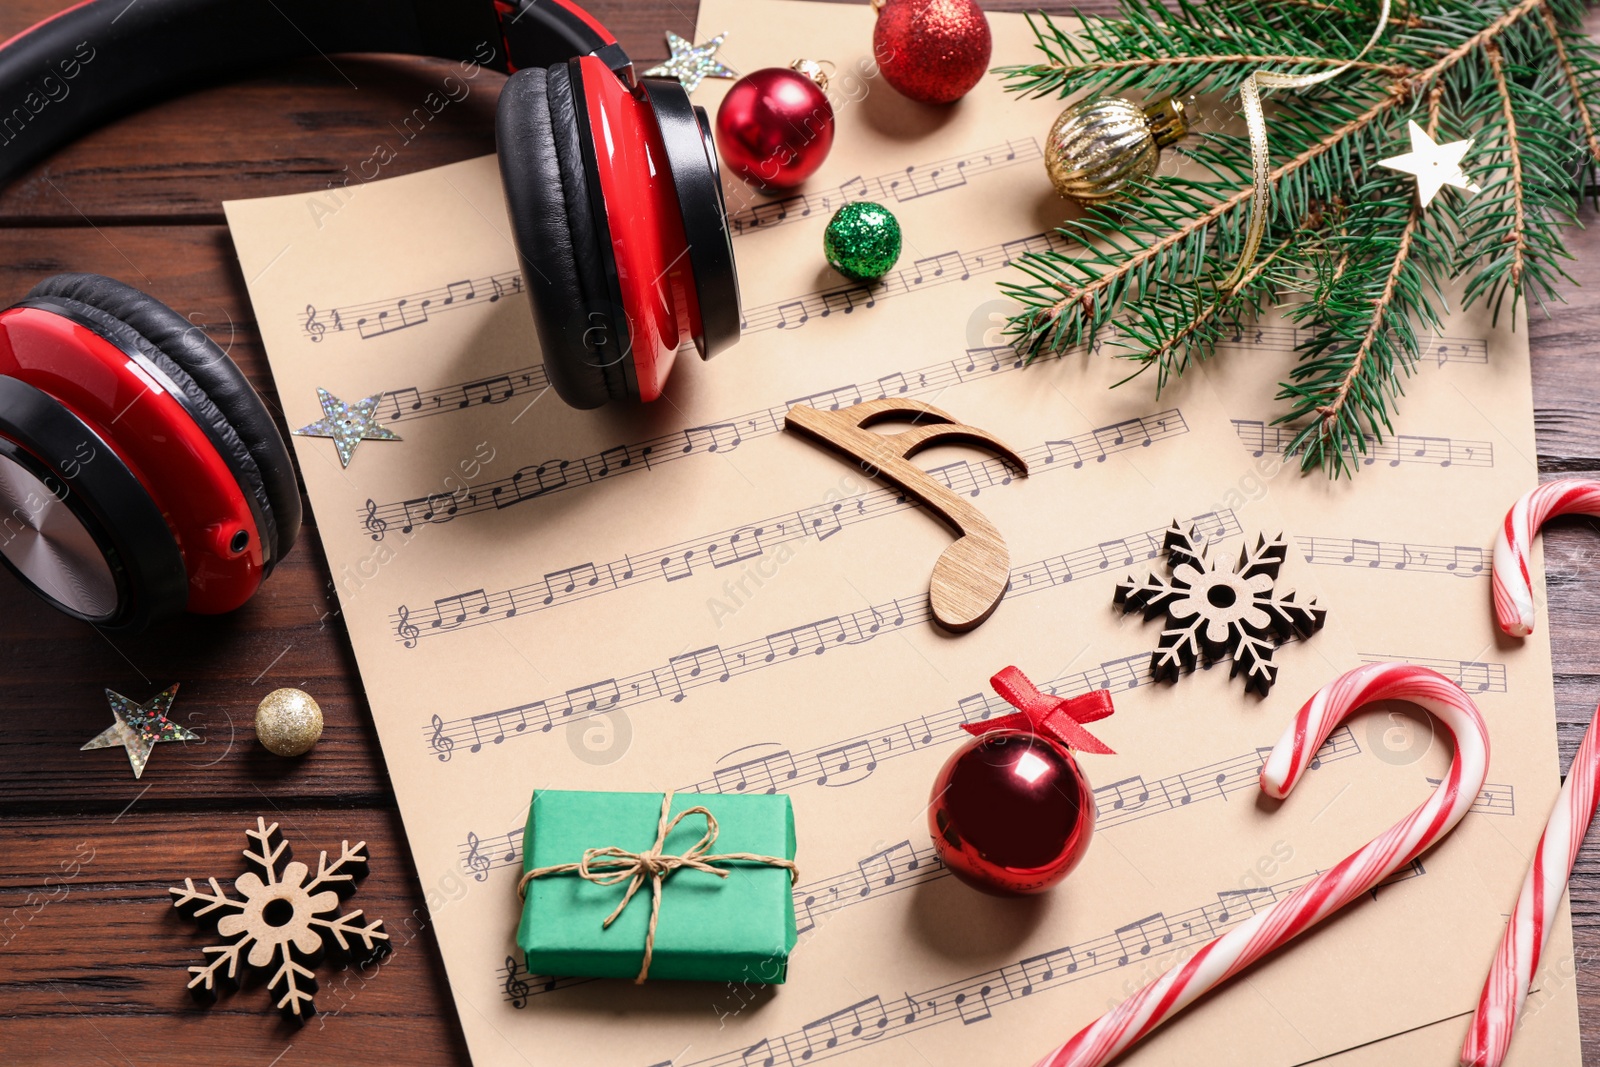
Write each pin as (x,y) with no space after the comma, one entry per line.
(971,575)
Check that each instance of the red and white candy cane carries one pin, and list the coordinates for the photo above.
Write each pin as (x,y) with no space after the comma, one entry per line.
(1113,1033)
(1513,588)
(1489,1035)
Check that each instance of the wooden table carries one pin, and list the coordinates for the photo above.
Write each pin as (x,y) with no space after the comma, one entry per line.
(92,956)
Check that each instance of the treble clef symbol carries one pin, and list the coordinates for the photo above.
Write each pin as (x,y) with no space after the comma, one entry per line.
(439,742)
(516,988)
(477,863)
(376,524)
(313,327)
(406,631)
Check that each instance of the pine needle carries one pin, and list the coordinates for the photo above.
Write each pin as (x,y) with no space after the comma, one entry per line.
(1366,268)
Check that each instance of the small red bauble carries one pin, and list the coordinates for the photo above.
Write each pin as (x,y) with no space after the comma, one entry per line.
(775,126)
(934,51)
(1011,813)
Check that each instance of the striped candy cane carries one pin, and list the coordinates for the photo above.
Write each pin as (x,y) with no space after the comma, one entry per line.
(1109,1036)
(1489,1035)
(1513,588)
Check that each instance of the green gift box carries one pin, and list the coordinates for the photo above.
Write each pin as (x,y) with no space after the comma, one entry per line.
(739,928)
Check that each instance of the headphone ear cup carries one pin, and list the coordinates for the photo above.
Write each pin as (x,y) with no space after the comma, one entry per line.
(547,196)
(51,520)
(248,437)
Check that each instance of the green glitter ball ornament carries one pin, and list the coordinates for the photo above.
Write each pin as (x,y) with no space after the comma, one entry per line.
(862,241)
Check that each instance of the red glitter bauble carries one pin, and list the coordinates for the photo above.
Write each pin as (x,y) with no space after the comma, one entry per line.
(1011,813)
(931,50)
(775,128)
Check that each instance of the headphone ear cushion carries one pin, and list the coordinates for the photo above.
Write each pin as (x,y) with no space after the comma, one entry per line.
(215,386)
(560,263)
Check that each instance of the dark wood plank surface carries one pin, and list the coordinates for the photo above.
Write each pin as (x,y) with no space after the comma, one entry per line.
(91,955)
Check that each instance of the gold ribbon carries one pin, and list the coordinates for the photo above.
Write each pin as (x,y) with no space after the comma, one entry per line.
(1260,154)
(613,866)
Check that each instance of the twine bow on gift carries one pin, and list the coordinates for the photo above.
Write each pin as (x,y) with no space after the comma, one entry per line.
(1041,713)
(613,866)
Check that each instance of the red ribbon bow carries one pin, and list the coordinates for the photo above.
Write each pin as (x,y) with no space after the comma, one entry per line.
(1041,713)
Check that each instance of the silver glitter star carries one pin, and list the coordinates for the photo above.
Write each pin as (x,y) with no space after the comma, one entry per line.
(140,727)
(348,424)
(691,64)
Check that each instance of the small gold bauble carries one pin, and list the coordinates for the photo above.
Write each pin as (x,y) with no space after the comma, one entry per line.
(1098,147)
(288,722)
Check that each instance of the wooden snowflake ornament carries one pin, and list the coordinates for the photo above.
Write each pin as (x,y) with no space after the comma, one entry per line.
(1216,611)
(285,925)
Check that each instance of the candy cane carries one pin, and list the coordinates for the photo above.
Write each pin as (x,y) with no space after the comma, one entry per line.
(1489,1035)
(1109,1036)
(1513,589)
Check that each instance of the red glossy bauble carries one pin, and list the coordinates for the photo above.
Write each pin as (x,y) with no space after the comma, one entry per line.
(1011,813)
(934,51)
(775,128)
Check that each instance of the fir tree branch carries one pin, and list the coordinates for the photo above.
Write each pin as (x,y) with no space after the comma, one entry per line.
(1249,59)
(1579,103)
(1330,415)
(1518,237)
(1396,21)
(1517,77)
(1035,327)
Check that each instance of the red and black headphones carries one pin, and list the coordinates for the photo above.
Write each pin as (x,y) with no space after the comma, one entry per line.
(140,475)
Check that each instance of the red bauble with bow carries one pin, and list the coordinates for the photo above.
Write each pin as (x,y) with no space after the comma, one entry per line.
(1011,813)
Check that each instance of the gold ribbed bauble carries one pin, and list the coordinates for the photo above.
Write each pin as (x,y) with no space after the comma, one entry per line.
(1098,146)
(288,722)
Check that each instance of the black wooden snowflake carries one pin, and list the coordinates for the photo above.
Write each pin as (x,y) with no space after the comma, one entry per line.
(1216,611)
(285,925)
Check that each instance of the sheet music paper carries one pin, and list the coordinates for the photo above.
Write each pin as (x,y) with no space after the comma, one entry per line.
(683,596)
(1411,535)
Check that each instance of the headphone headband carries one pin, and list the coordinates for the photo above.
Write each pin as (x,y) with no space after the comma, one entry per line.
(102,59)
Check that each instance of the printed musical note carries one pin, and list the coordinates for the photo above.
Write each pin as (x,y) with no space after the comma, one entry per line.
(678,562)
(1138,938)
(1472,675)
(1462,561)
(496,390)
(766,774)
(379,317)
(516,988)
(1495,798)
(846,764)
(405,630)
(374,524)
(477,862)
(722,436)
(1126,795)
(883,869)
(763,1054)
(862,1020)
(972,1000)
(1236,905)
(903,867)
(314,328)
(813,638)
(1260,439)
(441,744)
(909,183)
(451,611)
(743,544)
(689,666)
